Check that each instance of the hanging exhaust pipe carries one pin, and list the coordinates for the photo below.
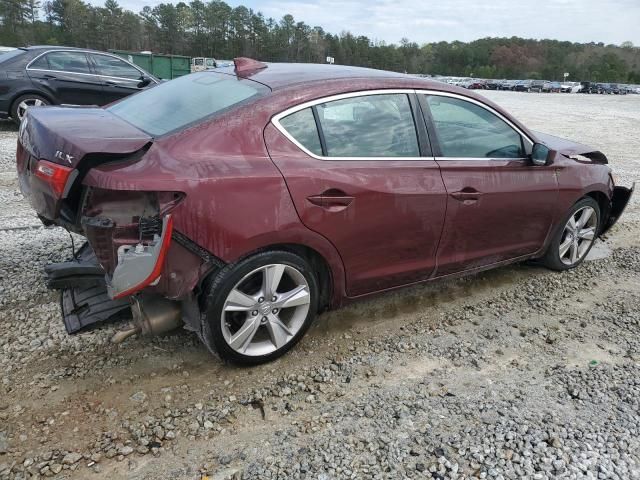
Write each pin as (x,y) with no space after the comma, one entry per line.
(152,315)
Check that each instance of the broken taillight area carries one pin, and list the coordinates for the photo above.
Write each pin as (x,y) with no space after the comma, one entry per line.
(130,233)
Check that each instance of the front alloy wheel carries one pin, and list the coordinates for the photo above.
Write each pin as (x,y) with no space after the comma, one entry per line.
(257,309)
(575,237)
(578,235)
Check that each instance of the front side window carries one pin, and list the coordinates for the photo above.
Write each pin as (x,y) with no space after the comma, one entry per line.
(114,67)
(180,102)
(75,62)
(467,130)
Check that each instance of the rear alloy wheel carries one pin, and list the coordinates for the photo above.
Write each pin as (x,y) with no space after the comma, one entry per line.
(23,103)
(572,242)
(261,307)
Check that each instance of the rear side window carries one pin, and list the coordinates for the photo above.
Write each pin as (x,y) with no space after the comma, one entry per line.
(75,62)
(114,67)
(178,103)
(467,130)
(368,126)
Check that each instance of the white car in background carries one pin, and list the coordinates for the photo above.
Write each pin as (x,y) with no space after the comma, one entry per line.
(570,87)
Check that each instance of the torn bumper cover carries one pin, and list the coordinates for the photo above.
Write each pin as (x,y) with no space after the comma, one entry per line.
(83,292)
(140,265)
(619,201)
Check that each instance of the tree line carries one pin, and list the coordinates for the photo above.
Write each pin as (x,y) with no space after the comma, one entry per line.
(215,29)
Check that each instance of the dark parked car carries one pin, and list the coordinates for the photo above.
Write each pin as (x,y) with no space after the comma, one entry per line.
(538,85)
(523,86)
(37,76)
(242,202)
(590,87)
(604,88)
(616,89)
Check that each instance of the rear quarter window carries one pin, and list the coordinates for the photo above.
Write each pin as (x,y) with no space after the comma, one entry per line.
(302,126)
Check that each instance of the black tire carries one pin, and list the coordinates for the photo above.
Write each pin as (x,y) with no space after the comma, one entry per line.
(29,97)
(227,278)
(552,259)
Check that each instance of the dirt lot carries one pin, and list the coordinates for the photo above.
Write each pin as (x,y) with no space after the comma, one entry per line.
(511,373)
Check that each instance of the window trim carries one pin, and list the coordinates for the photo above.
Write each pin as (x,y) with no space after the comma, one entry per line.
(527,142)
(275,120)
(89,62)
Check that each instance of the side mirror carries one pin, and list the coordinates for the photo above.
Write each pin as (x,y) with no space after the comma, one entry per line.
(144,81)
(541,155)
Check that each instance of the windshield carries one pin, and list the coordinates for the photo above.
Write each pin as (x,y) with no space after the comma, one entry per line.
(10,54)
(178,103)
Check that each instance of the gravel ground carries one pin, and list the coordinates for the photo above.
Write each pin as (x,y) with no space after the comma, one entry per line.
(513,373)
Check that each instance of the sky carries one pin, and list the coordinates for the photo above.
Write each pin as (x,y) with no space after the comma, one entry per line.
(422,21)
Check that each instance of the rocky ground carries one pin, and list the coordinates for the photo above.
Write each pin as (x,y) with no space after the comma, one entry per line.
(517,372)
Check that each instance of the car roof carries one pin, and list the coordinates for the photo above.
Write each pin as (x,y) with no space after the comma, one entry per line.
(43,48)
(51,47)
(285,75)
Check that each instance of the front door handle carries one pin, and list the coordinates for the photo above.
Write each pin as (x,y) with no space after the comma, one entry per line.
(467,195)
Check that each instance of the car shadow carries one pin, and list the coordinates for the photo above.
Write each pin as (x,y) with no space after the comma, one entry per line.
(8,126)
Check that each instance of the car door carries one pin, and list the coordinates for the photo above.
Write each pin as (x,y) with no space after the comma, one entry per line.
(118,77)
(67,77)
(360,173)
(499,205)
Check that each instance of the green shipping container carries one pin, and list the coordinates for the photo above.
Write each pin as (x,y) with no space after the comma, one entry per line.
(165,67)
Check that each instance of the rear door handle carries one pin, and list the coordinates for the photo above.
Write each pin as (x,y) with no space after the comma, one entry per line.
(316,200)
(332,199)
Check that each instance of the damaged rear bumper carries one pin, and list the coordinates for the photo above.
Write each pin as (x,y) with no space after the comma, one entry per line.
(84,300)
(619,201)
(133,235)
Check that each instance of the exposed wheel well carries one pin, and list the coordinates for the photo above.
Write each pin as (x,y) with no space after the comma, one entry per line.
(319,265)
(603,203)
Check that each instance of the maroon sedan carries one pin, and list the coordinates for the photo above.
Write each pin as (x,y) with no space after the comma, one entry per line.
(242,201)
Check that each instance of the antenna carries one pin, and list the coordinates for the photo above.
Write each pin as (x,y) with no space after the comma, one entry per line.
(245,64)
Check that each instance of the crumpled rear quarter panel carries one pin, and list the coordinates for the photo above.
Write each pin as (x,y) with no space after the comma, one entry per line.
(236,199)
